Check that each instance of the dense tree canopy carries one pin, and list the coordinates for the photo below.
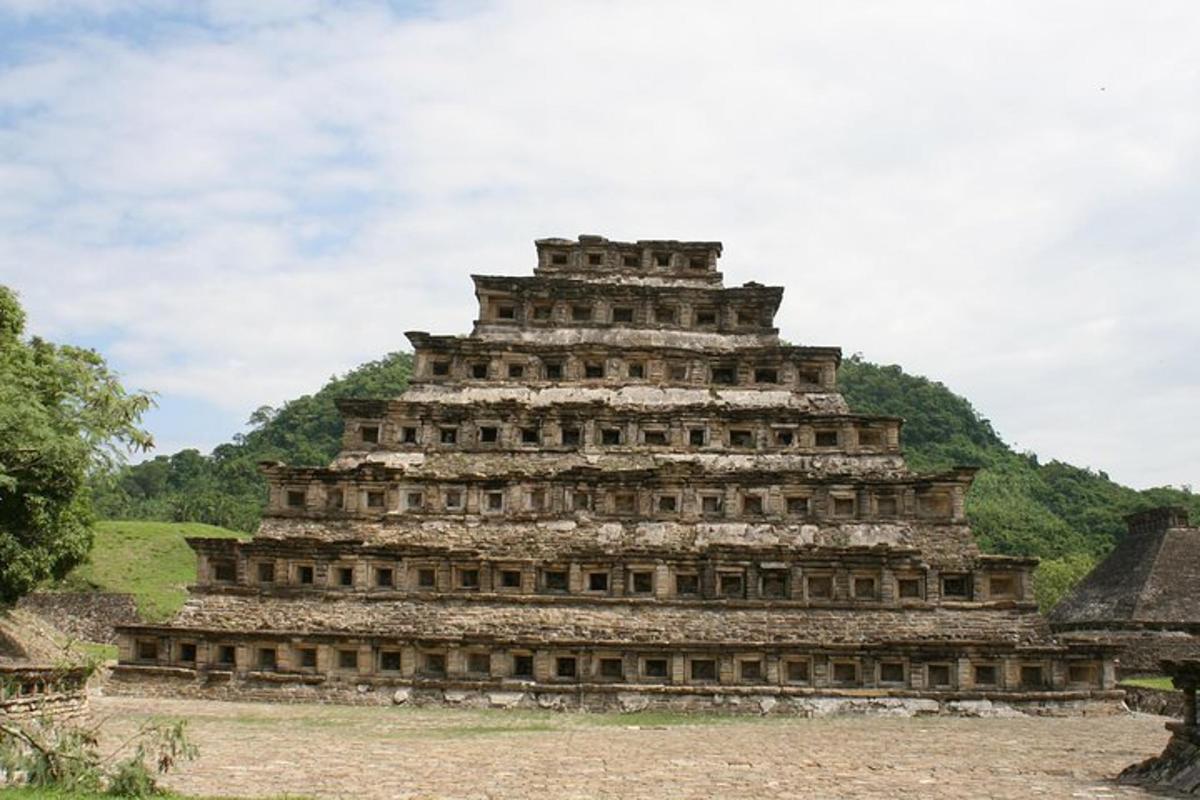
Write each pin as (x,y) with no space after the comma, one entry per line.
(1066,515)
(62,414)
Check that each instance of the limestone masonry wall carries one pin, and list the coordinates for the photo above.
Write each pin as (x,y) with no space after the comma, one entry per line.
(88,616)
(33,691)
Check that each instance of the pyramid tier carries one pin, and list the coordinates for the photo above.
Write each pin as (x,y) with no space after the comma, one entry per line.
(614,359)
(301,561)
(513,308)
(651,262)
(611,624)
(592,432)
(501,462)
(674,502)
(556,537)
(537,653)
(650,398)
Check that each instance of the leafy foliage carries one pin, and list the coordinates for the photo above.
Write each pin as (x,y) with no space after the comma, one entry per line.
(1055,577)
(225,488)
(941,429)
(67,757)
(165,744)
(63,413)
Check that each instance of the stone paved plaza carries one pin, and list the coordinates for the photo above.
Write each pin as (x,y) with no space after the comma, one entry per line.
(265,750)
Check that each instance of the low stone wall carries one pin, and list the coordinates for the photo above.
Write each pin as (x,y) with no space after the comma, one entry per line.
(30,692)
(90,616)
(1145,650)
(1163,702)
(176,682)
(1141,649)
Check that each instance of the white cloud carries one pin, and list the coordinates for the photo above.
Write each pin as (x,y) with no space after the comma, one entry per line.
(996,195)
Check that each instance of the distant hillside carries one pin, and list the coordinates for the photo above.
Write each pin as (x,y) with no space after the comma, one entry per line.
(1017,505)
(1066,515)
(225,488)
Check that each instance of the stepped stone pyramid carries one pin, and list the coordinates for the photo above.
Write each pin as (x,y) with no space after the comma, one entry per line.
(620,490)
(1145,596)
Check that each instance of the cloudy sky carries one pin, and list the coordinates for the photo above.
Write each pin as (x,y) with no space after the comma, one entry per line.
(235,200)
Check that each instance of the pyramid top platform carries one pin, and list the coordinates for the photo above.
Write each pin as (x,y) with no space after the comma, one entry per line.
(663,262)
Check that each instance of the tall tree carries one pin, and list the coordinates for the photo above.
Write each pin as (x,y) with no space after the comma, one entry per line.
(63,412)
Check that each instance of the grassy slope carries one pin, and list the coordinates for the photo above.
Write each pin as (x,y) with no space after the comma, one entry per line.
(150,560)
(1163,682)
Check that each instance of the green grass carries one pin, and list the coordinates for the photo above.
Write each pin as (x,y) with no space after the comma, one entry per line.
(1158,682)
(97,650)
(149,560)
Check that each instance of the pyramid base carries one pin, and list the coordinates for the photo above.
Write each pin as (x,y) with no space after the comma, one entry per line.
(130,680)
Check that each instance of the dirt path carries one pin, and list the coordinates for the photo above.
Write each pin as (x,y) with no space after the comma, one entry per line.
(255,749)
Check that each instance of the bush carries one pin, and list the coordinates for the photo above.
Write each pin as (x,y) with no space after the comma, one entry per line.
(1055,577)
(67,757)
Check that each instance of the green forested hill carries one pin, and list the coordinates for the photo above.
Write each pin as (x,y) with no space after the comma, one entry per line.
(1018,505)
(1065,515)
(225,488)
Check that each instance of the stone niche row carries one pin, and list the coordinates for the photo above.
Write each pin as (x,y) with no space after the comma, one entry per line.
(29,681)
(602,368)
(597,254)
(354,661)
(693,500)
(821,583)
(30,692)
(727,317)
(442,428)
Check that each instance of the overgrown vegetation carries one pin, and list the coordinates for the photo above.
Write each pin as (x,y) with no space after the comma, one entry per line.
(62,414)
(67,758)
(1055,577)
(1066,515)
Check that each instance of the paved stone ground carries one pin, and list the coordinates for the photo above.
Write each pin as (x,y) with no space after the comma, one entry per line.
(257,750)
